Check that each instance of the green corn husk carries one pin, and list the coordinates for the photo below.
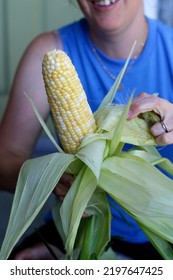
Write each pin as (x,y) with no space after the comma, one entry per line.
(100,167)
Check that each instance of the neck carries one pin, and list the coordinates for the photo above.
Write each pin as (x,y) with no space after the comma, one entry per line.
(117,44)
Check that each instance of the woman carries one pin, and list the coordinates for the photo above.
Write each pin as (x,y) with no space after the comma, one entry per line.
(98,46)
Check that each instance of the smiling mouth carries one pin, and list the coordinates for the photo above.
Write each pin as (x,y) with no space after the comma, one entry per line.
(103,3)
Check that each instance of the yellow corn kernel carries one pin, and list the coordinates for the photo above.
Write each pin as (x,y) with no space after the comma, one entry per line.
(71,112)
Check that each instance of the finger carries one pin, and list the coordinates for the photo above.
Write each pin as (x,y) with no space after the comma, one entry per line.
(145,102)
(61,190)
(66,179)
(162,133)
(161,127)
(157,129)
(165,138)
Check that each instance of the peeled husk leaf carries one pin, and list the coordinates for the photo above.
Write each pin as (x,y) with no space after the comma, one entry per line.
(135,131)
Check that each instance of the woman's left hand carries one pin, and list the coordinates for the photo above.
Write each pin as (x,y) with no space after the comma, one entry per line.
(163,130)
(63,186)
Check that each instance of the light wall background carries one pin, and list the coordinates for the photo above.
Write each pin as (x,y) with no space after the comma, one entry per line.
(20,22)
(151,8)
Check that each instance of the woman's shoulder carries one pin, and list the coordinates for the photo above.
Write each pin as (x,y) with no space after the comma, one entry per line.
(43,42)
(72,35)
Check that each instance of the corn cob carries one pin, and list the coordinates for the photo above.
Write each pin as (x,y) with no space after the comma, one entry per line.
(150,118)
(71,112)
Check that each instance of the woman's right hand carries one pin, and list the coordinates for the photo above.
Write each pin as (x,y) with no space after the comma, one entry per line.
(163,130)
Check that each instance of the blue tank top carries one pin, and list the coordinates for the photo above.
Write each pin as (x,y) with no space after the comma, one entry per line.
(151,72)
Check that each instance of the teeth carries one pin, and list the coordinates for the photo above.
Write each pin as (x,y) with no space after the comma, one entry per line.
(105,2)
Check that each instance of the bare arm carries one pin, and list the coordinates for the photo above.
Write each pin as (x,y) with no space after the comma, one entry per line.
(20,128)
